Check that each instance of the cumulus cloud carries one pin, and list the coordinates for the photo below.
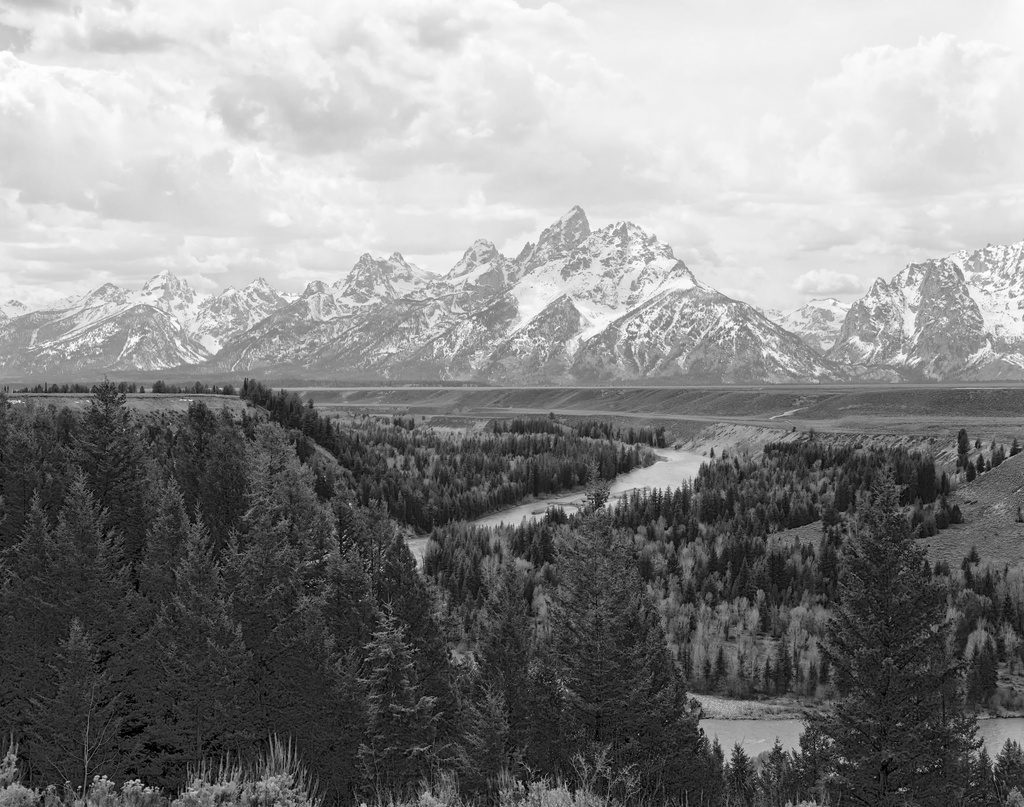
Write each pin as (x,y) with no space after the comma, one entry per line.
(827,281)
(287,139)
(927,118)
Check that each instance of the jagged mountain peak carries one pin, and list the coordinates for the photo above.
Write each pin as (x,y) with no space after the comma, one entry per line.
(13,308)
(558,240)
(164,279)
(107,293)
(630,238)
(373,280)
(481,252)
(315,287)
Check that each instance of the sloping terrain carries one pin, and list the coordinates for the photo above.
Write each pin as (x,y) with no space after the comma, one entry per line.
(990,506)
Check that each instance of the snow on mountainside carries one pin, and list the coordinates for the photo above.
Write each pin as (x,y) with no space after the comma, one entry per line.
(612,303)
(583,305)
(817,323)
(958,317)
(233,312)
(162,325)
(701,335)
(12,308)
(374,280)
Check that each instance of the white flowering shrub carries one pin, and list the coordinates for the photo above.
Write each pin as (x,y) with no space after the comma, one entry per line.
(17,795)
(12,792)
(278,779)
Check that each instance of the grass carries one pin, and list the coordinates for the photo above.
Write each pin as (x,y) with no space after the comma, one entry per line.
(140,402)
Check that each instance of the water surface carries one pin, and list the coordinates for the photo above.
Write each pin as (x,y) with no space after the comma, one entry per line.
(756,736)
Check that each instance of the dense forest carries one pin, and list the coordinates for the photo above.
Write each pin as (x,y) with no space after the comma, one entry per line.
(181,588)
(426,478)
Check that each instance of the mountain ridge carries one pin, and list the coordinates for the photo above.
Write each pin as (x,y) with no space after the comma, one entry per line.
(579,305)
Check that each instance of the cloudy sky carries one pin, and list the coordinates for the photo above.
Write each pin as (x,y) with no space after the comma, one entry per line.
(785,149)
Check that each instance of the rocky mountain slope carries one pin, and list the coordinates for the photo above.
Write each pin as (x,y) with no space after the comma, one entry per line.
(817,323)
(955,318)
(579,305)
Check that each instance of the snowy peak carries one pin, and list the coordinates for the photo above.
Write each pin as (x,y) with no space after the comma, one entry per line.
(167,292)
(481,253)
(13,308)
(558,240)
(374,280)
(818,322)
(234,311)
(107,294)
(957,317)
(607,273)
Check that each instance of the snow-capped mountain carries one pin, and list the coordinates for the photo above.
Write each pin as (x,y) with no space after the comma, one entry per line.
(571,306)
(233,312)
(579,305)
(958,317)
(162,325)
(817,322)
(374,281)
(701,335)
(12,308)
(108,329)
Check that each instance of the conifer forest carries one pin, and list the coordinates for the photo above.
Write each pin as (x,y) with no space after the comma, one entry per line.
(204,607)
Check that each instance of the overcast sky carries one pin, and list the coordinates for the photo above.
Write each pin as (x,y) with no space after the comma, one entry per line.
(785,149)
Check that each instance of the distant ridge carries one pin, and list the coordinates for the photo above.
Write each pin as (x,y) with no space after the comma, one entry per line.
(578,306)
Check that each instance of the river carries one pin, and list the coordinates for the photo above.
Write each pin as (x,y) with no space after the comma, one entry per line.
(672,469)
(759,735)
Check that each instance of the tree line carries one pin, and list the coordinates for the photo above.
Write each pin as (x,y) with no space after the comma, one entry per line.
(426,478)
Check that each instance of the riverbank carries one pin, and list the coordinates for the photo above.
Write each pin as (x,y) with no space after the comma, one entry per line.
(718,708)
(672,468)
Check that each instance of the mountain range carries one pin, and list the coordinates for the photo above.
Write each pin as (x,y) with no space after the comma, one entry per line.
(577,306)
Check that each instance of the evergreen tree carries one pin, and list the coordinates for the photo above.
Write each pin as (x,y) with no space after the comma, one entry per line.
(739,778)
(201,704)
(29,626)
(280,569)
(165,535)
(109,451)
(485,751)
(982,672)
(775,781)
(399,748)
(982,788)
(1009,768)
(898,728)
(75,730)
(506,649)
(622,690)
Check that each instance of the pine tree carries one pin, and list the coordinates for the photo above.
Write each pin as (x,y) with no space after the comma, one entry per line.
(898,728)
(622,690)
(982,789)
(165,535)
(739,778)
(75,730)
(110,453)
(29,625)
(277,571)
(203,668)
(775,781)
(1009,768)
(506,648)
(399,748)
